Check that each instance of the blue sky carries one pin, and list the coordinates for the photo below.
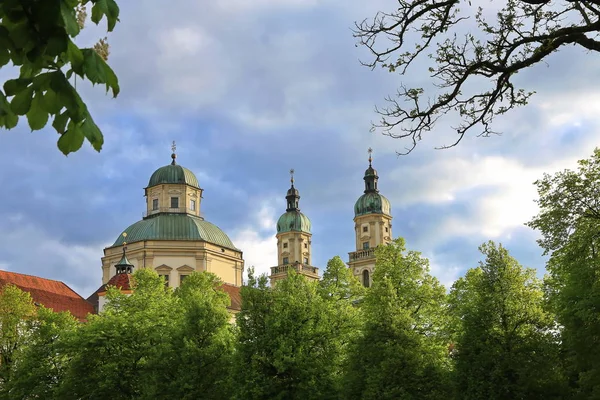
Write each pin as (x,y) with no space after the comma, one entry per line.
(250,89)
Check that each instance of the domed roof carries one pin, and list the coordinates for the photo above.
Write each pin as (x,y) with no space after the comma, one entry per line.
(371,171)
(372,203)
(173,173)
(293,221)
(175,227)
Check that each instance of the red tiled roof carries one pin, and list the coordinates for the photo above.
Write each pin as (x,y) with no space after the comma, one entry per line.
(121,281)
(50,293)
(234,295)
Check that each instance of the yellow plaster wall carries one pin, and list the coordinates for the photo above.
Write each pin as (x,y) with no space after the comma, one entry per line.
(164,193)
(177,258)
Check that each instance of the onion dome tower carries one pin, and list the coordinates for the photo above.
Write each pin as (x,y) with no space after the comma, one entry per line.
(372,226)
(293,240)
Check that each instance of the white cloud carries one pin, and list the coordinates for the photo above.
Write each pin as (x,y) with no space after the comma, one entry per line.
(257,239)
(29,250)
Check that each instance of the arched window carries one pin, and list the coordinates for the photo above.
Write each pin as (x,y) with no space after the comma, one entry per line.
(366,282)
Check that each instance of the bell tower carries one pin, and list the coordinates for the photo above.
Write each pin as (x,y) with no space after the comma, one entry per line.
(293,240)
(372,226)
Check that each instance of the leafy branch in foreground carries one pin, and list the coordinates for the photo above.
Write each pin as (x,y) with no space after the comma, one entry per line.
(37,37)
(474,72)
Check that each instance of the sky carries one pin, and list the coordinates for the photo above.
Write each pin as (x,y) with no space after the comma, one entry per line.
(249,90)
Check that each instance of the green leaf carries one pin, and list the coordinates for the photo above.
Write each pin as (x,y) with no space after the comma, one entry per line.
(98,71)
(42,81)
(29,70)
(69,18)
(21,103)
(37,116)
(71,140)
(94,66)
(92,133)
(23,37)
(14,86)
(112,81)
(75,56)
(8,119)
(4,56)
(108,8)
(68,96)
(60,122)
(56,45)
(51,102)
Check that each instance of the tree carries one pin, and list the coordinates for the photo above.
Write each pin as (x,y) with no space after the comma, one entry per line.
(474,72)
(196,363)
(154,343)
(37,37)
(507,345)
(116,347)
(41,364)
(569,221)
(402,352)
(16,312)
(288,346)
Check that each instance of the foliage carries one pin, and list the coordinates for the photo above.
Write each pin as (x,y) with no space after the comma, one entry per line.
(16,312)
(38,38)
(569,203)
(466,57)
(289,341)
(402,352)
(569,221)
(196,363)
(506,344)
(42,364)
(154,343)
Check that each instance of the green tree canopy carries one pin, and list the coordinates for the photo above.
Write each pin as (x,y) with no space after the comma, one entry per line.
(507,345)
(154,343)
(37,37)
(569,221)
(42,363)
(472,59)
(289,343)
(402,352)
(16,312)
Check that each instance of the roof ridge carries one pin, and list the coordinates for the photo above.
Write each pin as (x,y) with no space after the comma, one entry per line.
(46,279)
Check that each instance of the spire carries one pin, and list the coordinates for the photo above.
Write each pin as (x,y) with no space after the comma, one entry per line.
(371,176)
(293,196)
(173,156)
(124,266)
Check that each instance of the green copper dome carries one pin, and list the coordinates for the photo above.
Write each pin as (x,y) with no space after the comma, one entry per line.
(293,221)
(372,203)
(173,174)
(175,227)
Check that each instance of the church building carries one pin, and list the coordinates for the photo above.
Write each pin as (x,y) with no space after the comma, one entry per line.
(173,237)
(372,226)
(293,240)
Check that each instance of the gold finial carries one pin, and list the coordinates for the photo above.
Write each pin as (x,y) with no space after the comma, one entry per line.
(370,151)
(292,176)
(173,156)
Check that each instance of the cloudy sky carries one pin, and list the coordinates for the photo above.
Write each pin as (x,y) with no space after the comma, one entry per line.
(250,89)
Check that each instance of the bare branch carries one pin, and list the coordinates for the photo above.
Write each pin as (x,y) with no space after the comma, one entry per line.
(524,34)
